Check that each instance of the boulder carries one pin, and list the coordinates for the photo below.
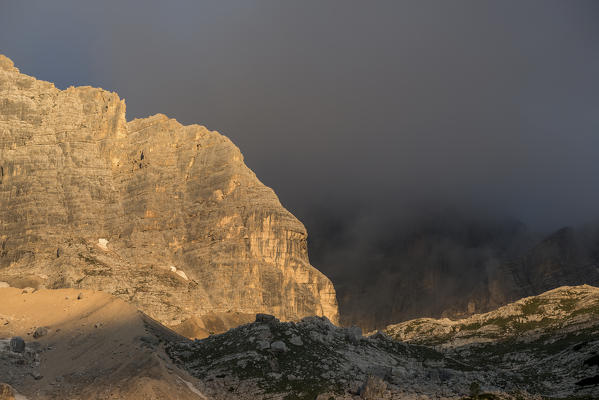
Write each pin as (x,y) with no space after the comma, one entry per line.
(265,318)
(36,375)
(262,345)
(17,344)
(279,347)
(40,331)
(296,340)
(354,334)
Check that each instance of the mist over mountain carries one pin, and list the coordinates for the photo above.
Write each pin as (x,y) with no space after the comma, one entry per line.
(477,106)
(429,265)
(444,264)
(368,121)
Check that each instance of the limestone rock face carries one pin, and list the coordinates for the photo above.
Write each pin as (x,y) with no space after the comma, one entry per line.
(163,215)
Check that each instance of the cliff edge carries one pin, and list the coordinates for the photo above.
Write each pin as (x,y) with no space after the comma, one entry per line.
(165,216)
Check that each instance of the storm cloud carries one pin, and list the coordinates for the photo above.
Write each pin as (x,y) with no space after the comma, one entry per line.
(371,113)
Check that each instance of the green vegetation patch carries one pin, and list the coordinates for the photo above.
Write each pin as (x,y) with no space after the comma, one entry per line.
(568,304)
(594,309)
(533,306)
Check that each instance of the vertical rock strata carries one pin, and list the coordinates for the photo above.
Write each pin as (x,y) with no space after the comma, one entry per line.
(163,215)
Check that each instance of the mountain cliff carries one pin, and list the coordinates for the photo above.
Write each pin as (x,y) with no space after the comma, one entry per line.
(445,264)
(165,216)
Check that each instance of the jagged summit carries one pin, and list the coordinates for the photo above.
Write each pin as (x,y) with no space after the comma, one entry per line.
(165,216)
(7,64)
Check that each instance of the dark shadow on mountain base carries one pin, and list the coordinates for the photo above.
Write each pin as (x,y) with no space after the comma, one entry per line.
(443,265)
(594,380)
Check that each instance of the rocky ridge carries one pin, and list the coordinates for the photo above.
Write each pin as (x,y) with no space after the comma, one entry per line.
(562,310)
(547,344)
(315,359)
(544,347)
(162,215)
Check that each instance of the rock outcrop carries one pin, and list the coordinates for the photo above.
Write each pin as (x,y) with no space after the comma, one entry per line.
(546,344)
(539,347)
(568,308)
(165,216)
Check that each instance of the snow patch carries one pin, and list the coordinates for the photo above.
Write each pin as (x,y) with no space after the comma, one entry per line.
(182,275)
(193,388)
(103,244)
(179,272)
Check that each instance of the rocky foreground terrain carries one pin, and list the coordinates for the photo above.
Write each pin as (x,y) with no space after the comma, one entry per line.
(547,344)
(540,347)
(164,216)
(81,344)
(90,345)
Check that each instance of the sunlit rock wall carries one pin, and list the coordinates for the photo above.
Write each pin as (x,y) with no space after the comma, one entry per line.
(163,215)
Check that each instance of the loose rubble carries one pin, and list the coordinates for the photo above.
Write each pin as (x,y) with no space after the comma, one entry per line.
(266,360)
(315,359)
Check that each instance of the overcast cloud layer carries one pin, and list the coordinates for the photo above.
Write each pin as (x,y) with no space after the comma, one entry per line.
(373,111)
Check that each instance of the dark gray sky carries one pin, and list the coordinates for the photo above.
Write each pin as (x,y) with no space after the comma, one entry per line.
(489,107)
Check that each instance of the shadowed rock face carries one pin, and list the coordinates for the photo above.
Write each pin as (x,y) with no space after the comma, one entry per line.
(163,215)
(446,265)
